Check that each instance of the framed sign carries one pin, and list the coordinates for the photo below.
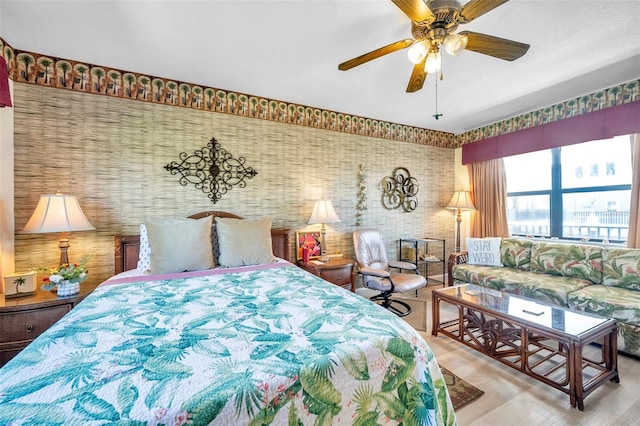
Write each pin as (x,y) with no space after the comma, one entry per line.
(311,240)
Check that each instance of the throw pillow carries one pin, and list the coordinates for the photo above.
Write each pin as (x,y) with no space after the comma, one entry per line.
(244,242)
(144,251)
(179,245)
(484,251)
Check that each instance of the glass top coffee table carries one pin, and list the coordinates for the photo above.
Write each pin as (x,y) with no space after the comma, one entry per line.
(549,343)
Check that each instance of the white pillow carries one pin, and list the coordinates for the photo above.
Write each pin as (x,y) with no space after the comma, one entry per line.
(179,245)
(244,242)
(484,251)
(144,251)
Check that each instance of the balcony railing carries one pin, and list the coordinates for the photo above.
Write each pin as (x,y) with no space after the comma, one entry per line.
(612,226)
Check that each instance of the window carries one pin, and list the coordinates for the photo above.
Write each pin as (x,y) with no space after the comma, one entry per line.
(543,201)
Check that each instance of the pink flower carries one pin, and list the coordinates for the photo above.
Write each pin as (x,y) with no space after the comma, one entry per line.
(160,413)
(182,418)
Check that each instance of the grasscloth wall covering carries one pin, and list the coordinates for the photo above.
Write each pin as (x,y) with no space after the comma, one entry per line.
(28,67)
(110,153)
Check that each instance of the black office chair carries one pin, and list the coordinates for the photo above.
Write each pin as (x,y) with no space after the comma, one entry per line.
(376,272)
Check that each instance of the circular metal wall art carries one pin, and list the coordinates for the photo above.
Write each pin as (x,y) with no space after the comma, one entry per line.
(400,190)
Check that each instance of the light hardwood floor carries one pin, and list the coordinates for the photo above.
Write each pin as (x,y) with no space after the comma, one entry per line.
(513,398)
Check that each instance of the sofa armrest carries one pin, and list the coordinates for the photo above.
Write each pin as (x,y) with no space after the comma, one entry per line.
(455,259)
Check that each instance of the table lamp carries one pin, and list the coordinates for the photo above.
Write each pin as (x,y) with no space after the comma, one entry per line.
(323,212)
(58,213)
(461,201)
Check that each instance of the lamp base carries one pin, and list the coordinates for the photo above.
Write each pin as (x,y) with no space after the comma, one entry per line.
(458,220)
(63,244)
(323,255)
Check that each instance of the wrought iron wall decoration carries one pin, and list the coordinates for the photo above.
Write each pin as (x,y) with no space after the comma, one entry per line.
(400,190)
(211,169)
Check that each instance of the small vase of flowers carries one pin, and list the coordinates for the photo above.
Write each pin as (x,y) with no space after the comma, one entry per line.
(65,278)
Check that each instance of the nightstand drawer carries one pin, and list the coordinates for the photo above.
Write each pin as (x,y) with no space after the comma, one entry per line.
(24,318)
(338,276)
(27,325)
(336,271)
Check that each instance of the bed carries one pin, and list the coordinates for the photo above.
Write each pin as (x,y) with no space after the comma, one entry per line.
(254,344)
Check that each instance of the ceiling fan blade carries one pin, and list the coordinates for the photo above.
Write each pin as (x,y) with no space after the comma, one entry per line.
(418,76)
(476,8)
(374,54)
(497,47)
(416,10)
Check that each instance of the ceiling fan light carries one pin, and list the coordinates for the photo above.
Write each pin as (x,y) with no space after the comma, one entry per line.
(433,63)
(455,43)
(417,52)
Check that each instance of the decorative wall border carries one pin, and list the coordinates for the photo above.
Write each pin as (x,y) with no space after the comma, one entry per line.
(34,68)
(28,67)
(617,95)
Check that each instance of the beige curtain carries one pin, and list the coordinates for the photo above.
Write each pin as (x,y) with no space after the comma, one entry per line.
(489,190)
(634,219)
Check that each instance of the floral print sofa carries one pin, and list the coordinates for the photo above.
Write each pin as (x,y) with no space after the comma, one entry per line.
(589,278)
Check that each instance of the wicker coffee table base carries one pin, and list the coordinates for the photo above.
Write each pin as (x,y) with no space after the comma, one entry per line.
(550,356)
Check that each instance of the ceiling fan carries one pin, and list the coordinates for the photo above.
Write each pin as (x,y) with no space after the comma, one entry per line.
(433,24)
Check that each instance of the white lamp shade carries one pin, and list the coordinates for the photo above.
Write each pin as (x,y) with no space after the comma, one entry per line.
(434,62)
(323,212)
(417,52)
(57,213)
(455,43)
(461,200)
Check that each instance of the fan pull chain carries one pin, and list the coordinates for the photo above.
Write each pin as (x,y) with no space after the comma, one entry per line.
(436,115)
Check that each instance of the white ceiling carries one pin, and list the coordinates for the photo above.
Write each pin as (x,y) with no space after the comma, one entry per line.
(290,50)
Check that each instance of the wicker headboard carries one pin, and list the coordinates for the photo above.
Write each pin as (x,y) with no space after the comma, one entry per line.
(127,246)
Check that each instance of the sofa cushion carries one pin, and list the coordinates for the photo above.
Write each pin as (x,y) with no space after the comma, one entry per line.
(629,338)
(569,260)
(516,253)
(619,303)
(621,268)
(547,288)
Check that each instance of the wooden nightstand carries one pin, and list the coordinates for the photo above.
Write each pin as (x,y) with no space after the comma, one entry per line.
(24,318)
(337,271)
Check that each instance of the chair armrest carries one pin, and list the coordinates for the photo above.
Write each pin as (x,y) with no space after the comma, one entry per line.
(401,265)
(455,258)
(375,272)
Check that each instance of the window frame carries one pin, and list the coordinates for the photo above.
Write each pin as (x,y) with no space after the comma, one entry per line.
(556,194)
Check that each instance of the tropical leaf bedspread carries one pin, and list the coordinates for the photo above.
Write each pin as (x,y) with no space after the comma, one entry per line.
(263,345)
